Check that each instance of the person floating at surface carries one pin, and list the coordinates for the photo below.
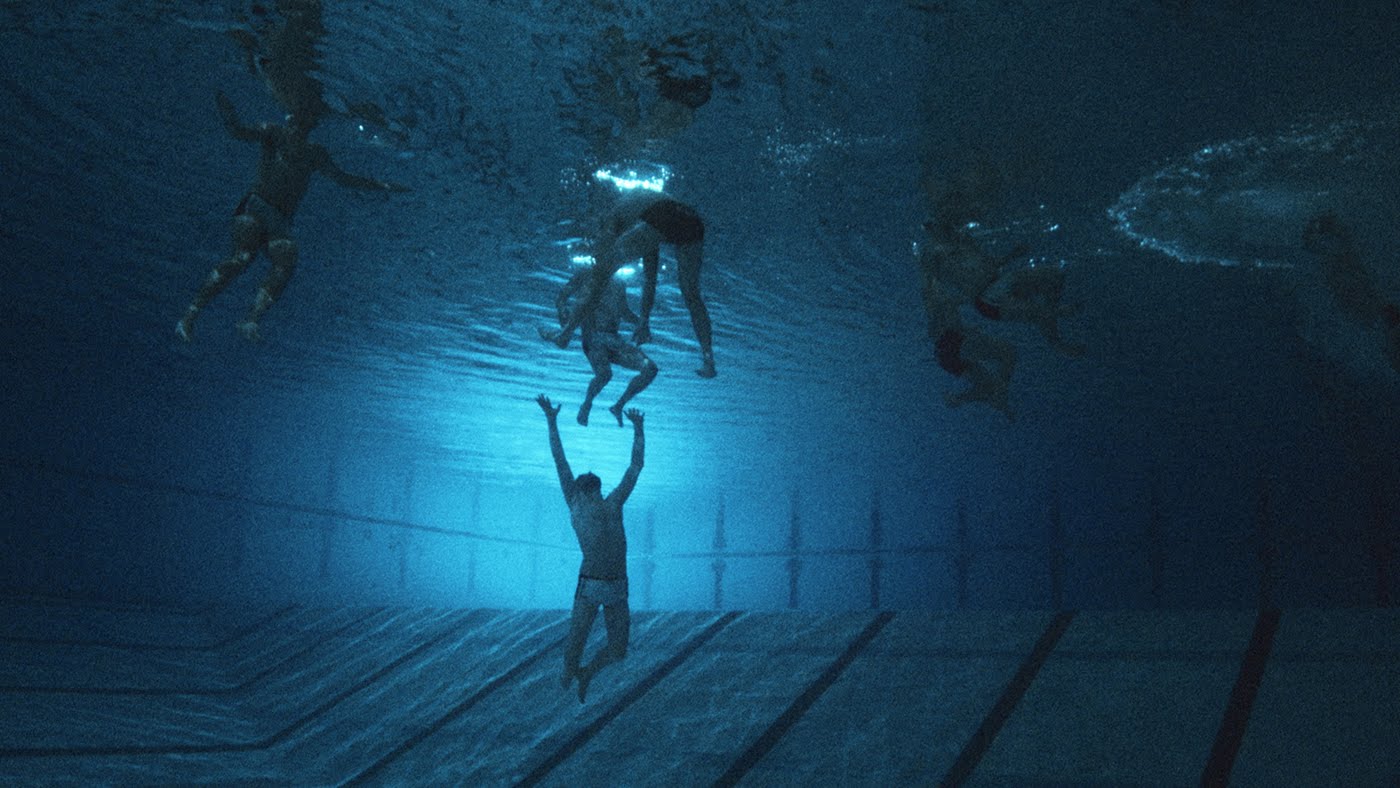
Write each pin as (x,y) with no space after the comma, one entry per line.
(602,578)
(637,227)
(984,360)
(1032,294)
(1353,287)
(263,218)
(957,271)
(604,346)
(954,257)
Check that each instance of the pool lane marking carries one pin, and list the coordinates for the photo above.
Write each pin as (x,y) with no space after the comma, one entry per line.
(321,640)
(1236,719)
(455,712)
(982,738)
(641,688)
(780,726)
(228,640)
(252,746)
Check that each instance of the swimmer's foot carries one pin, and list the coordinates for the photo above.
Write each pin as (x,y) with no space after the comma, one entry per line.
(583,413)
(559,338)
(707,366)
(616,411)
(185,328)
(249,330)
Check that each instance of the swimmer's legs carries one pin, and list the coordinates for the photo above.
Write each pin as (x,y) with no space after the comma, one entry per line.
(618,619)
(283,253)
(247,238)
(634,243)
(689,259)
(602,373)
(644,377)
(579,625)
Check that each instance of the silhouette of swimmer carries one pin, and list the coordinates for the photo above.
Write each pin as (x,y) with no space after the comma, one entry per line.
(1032,294)
(637,227)
(602,577)
(1353,287)
(263,218)
(603,345)
(957,272)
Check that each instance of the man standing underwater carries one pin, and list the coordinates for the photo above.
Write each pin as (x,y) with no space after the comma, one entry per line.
(602,577)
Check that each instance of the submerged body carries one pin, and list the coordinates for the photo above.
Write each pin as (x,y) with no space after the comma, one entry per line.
(602,579)
(636,227)
(263,219)
(604,345)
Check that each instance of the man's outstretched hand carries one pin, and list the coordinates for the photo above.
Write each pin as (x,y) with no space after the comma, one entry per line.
(635,416)
(551,411)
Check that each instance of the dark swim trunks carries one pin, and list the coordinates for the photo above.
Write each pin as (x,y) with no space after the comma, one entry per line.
(948,347)
(678,223)
(274,223)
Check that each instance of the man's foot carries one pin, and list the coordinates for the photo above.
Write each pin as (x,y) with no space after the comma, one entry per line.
(559,339)
(707,366)
(583,413)
(185,328)
(249,330)
(616,411)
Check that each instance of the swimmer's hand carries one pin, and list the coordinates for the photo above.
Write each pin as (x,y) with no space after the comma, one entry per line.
(551,411)
(635,416)
(642,335)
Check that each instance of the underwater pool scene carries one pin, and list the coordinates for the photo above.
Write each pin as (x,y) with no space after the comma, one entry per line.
(1016,399)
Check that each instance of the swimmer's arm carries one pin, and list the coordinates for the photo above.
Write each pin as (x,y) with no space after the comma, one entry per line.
(235,127)
(556,446)
(629,479)
(349,181)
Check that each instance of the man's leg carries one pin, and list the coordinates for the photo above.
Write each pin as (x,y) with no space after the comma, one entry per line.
(579,625)
(629,356)
(688,258)
(640,241)
(618,619)
(283,253)
(602,373)
(247,238)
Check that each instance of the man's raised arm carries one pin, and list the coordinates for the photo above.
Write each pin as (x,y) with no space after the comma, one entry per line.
(629,479)
(556,446)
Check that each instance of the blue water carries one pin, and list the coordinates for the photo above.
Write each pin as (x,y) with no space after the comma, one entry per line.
(391,398)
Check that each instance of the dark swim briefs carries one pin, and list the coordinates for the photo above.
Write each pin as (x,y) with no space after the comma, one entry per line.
(678,223)
(274,223)
(948,346)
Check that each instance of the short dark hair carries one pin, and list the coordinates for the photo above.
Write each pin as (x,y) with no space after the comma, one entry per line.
(589,482)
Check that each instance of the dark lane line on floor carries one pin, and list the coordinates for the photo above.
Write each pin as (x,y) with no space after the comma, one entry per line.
(455,712)
(1232,726)
(641,688)
(780,726)
(228,640)
(79,605)
(260,744)
(200,691)
(982,738)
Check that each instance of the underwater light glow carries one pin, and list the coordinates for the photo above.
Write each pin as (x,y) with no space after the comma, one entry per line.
(584,260)
(631,179)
